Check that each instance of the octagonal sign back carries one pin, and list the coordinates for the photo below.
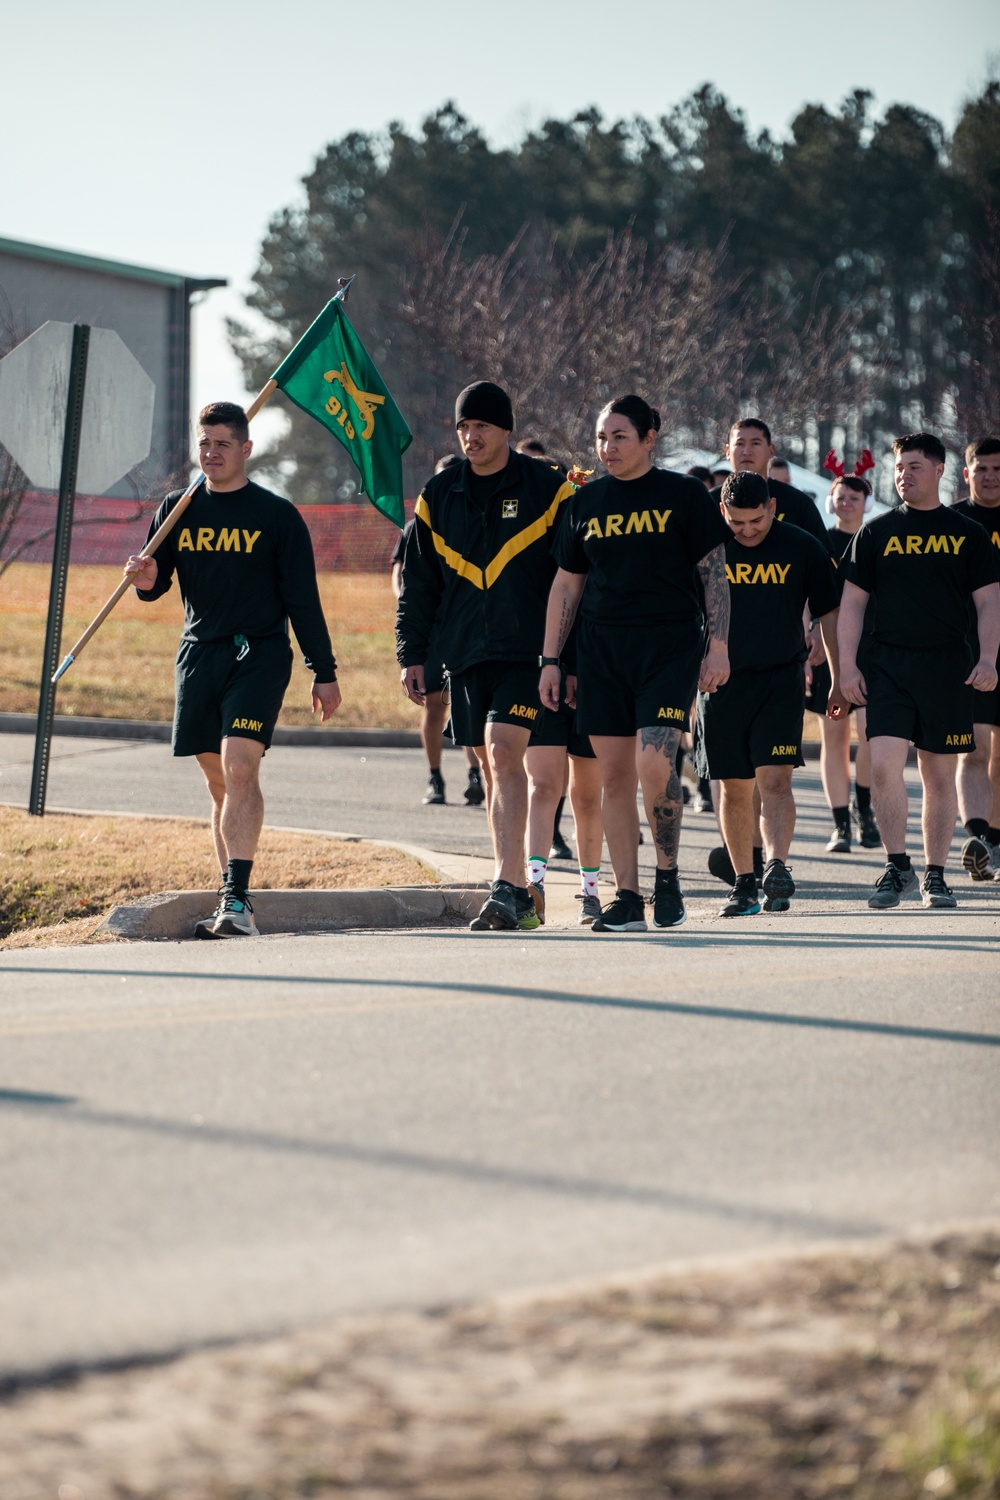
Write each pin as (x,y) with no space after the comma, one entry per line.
(117,423)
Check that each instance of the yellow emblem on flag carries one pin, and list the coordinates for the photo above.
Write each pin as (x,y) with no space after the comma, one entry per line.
(365,402)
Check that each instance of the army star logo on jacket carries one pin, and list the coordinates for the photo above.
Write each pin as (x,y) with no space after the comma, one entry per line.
(509,510)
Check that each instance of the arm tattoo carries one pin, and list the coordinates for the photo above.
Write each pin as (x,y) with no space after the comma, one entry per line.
(566,618)
(712,570)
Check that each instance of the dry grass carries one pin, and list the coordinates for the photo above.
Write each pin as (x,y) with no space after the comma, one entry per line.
(127,670)
(59,875)
(870,1375)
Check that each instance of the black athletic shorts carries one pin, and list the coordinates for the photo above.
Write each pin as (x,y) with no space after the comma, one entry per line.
(561,729)
(754,719)
(632,677)
(986,707)
(921,696)
(219,693)
(493,692)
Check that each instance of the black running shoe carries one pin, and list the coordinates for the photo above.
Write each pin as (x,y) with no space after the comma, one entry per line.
(977,858)
(668,902)
(434,794)
(743,899)
(934,892)
(499,913)
(777,885)
(626,913)
(867,827)
(891,884)
(720,865)
(475,792)
(839,841)
(560,849)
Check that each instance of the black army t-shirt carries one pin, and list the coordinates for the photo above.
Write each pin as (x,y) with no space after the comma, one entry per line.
(639,541)
(791,505)
(244,563)
(770,585)
(921,567)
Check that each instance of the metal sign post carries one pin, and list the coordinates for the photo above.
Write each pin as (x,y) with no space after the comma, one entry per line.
(60,565)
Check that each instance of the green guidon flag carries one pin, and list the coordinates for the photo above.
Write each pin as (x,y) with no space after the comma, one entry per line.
(330,375)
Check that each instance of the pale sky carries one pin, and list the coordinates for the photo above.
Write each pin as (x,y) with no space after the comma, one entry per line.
(169,135)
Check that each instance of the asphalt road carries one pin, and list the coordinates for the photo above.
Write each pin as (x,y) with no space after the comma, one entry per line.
(209,1141)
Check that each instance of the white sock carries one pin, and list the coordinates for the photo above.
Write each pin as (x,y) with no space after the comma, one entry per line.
(588,879)
(536,869)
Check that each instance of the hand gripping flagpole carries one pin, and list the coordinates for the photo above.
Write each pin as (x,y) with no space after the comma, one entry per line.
(171,520)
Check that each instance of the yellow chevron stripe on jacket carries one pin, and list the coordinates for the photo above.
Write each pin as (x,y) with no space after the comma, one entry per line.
(525,538)
(453,559)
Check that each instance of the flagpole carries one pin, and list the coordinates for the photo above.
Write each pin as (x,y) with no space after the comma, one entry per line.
(171,520)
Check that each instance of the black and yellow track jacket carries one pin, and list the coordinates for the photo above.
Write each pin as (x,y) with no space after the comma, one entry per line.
(477,575)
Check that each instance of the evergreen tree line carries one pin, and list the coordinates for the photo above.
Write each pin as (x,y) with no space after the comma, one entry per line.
(844,282)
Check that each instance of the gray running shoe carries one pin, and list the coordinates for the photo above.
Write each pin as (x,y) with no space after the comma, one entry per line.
(934,892)
(892,884)
(589,911)
(777,885)
(868,833)
(626,913)
(499,912)
(434,795)
(233,917)
(979,858)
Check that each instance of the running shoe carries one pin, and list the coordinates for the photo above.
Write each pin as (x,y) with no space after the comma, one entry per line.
(703,796)
(777,885)
(475,792)
(589,911)
(721,866)
(979,858)
(668,902)
(626,913)
(560,849)
(892,884)
(840,839)
(233,917)
(934,892)
(867,827)
(743,899)
(499,913)
(434,794)
(531,914)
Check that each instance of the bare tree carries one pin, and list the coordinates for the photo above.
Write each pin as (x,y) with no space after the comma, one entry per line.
(564,333)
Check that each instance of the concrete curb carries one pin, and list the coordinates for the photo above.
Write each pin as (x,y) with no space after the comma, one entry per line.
(173,914)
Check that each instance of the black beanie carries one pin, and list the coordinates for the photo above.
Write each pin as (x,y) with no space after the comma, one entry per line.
(485,402)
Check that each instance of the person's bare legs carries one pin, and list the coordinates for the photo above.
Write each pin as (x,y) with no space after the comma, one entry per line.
(237,802)
(976,795)
(585,799)
(433,717)
(508,799)
(616,756)
(835,760)
(940,804)
(777,810)
(656,762)
(889,790)
(546,768)
(737,821)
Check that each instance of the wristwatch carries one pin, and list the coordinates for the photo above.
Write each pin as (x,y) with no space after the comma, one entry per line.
(549,661)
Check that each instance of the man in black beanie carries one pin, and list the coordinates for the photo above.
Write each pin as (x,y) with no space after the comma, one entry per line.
(476,574)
